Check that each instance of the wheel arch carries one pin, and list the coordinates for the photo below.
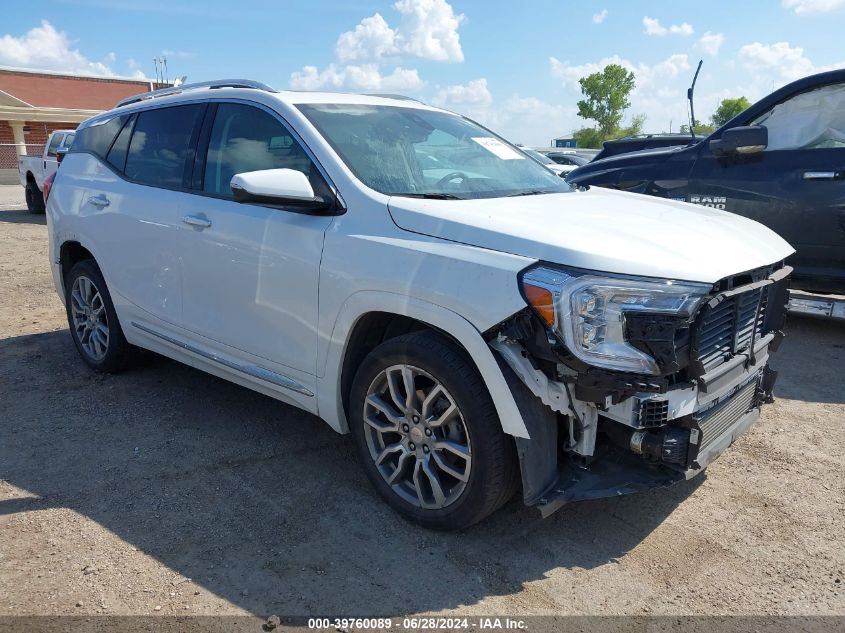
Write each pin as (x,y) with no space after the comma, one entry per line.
(71,252)
(370,317)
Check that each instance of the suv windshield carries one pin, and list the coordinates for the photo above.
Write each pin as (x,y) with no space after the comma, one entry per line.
(427,154)
(540,158)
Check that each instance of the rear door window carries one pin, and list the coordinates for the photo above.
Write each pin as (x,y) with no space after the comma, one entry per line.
(161,145)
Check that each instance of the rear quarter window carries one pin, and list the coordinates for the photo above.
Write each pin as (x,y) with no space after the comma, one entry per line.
(97,139)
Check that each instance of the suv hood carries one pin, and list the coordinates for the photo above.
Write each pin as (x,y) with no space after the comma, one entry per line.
(603,230)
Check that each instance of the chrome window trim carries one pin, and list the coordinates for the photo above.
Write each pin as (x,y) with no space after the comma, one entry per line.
(145,106)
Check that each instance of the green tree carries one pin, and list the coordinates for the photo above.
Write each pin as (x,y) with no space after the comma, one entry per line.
(635,128)
(700,128)
(606,99)
(728,109)
(588,137)
(592,138)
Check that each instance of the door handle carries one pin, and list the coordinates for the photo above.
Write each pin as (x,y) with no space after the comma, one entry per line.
(195,220)
(99,201)
(822,175)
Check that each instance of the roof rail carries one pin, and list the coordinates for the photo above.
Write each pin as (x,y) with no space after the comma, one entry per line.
(387,95)
(175,90)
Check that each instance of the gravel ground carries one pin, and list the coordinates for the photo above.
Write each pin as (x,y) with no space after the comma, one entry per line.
(163,490)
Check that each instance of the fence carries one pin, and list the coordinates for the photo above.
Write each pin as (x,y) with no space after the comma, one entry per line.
(9,154)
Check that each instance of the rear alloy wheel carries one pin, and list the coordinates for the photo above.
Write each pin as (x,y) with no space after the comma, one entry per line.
(92,320)
(427,432)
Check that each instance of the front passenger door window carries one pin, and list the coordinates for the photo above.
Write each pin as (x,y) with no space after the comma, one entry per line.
(244,138)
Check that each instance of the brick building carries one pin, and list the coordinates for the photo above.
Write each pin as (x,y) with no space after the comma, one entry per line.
(34,103)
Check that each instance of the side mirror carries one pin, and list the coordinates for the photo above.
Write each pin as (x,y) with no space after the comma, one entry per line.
(277,187)
(60,153)
(746,139)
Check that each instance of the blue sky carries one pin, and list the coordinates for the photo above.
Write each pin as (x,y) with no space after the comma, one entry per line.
(512,65)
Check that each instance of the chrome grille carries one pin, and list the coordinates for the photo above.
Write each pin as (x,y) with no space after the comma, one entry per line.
(714,422)
(727,328)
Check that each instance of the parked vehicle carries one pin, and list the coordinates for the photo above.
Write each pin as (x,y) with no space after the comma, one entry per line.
(566,158)
(548,163)
(781,162)
(640,142)
(473,330)
(34,170)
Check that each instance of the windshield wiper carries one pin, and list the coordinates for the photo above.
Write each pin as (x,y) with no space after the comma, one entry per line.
(429,196)
(528,192)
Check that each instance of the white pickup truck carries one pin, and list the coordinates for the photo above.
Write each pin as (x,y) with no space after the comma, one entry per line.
(34,170)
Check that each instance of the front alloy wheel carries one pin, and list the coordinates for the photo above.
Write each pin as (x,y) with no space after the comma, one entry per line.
(427,432)
(416,437)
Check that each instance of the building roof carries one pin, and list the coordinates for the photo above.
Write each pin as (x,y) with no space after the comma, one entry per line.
(44,89)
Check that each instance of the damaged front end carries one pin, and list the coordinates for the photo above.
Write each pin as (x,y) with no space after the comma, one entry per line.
(626,383)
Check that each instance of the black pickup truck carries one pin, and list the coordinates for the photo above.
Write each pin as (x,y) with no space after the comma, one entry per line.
(781,162)
(644,141)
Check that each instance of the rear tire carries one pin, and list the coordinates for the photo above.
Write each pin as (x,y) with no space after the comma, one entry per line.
(92,320)
(444,468)
(34,198)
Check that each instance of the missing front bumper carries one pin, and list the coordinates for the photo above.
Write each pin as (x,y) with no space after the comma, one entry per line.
(620,473)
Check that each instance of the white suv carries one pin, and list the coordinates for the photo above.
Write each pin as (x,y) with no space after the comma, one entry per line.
(412,278)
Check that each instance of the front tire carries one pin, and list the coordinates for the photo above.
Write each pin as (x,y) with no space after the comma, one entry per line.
(428,435)
(34,198)
(92,319)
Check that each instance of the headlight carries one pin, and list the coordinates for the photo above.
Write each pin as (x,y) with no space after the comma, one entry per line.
(588,312)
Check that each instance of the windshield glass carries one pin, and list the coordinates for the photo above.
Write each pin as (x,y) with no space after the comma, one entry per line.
(568,159)
(542,158)
(428,154)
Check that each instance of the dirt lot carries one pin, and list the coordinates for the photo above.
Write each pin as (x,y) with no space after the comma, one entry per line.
(163,490)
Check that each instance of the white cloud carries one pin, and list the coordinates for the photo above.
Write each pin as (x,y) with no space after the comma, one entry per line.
(802,7)
(179,54)
(532,121)
(646,76)
(652,26)
(527,120)
(45,48)
(372,39)
(659,91)
(599,17)
(779,62)
(474,93)
(365,77)
(710,43)
(428,29)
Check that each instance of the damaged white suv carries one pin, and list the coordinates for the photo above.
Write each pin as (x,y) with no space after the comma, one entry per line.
(412,278)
